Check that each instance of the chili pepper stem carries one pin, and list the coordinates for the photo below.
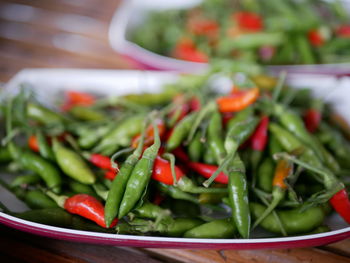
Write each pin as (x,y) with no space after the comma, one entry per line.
(60,200)
(201,115)
(277,197)
(170,157)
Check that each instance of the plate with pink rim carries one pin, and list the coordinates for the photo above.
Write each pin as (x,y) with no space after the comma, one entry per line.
(48,82)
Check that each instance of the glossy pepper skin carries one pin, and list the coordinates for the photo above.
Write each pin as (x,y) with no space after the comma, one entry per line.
(36,199)
(120,136)
(293,220)
(43,115)
(180,132)
(265,175)
(116,192)
(207,170)
(37,164)
(237,101)
(87,207)
(238,196)
(139,177)
(72,164)
(220,228)
(340,202)
(162,171)
(215,140)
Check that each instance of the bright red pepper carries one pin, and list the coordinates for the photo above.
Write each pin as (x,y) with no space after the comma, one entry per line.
(195,104)
(341,203)
(207,170)
(259,138)
(149,137)
(162,171)
(110,175)
(238,100)
(101,161)
(249,21)
(75,98)
(88,207)
(186,50)
(343,31)
(33,143)
(312,119)
(203,27)
(315,38)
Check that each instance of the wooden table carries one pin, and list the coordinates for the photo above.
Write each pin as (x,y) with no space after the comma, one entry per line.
(73,33)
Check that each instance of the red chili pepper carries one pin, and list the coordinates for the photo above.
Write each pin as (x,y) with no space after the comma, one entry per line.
(195,104)
(312,119)
(259,138)
(248,21)
(101,161)
(207,170)
(149,138)
(88,207)
(343,31)
(110,174)
(186,50)
(315,38)
(203,27)
(74,98)
(162,171)
(341,203)
(238,100)
(181,154)
(33,143)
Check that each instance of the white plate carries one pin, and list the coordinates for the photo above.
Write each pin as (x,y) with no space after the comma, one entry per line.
(131,13)
(48,82)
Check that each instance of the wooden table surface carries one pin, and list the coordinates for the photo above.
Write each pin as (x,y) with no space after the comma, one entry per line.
(73,33)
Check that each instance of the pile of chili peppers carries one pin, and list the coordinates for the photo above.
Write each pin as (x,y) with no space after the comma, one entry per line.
(185,162)
(269,32)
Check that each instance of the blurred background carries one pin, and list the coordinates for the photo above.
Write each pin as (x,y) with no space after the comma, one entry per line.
(56,33)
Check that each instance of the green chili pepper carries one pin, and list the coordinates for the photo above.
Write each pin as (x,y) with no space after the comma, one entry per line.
(36,199)
(44,148)
(294,221)
(265,175)
(238,133)
(176,193)
(274,145)
(140,176)
(291,143)
(72,164)
(89,137)
(294,124)
(121,135)
(220,228)
(178,227)
(43,115)
(238,196)
(116,192)
(180,132)
(35,163)
(209,157)
(25,180)
(195,148)
(5,155)
(86,113)
(215,140)
(150,99)
(211,198)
